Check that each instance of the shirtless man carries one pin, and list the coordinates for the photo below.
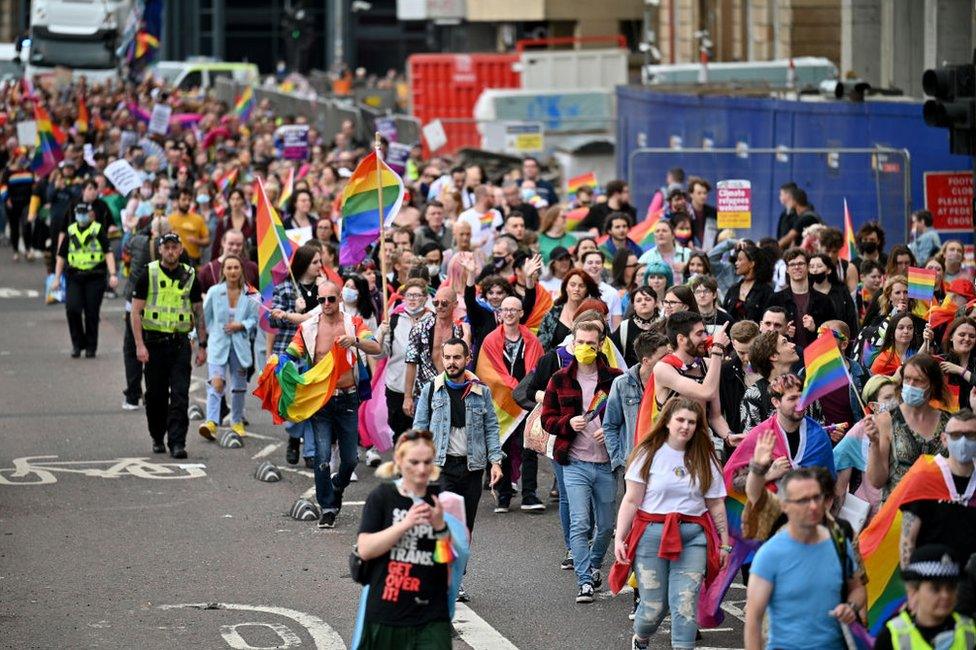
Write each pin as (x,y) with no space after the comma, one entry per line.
(337,421)
(685,372)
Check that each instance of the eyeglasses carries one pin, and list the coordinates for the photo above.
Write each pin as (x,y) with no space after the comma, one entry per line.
(328,299)
(816,498)
(796,265)
(442,303)
(413,296)
(631,266)
(956,435)
(702,291)
(509,310)
(672,303)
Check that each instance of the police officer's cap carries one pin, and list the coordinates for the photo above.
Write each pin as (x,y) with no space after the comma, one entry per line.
(931,563)
(170,237)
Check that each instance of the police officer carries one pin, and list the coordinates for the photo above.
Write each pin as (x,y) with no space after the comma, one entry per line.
(166,306)
(88,255)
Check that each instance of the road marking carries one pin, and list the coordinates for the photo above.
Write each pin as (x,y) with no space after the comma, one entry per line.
(266,451)
(234,639)
(7,292)
(324,637)
(477,633)
(40,470)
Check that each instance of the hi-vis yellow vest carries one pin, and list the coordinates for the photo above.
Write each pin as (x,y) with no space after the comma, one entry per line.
(168,307)
(905,636)
(84,250)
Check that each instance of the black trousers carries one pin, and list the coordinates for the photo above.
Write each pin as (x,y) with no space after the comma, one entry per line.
(530,466)
(133,367)
(168,388)
(399,421)
(457,478)
(82,303)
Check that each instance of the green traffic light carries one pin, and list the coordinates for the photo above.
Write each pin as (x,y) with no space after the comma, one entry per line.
(295,34)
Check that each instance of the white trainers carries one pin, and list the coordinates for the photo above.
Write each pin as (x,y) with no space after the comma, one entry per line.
(373,459)
(129,407)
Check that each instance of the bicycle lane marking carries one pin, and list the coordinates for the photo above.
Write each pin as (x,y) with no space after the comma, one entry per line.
(323,635)
(41,469)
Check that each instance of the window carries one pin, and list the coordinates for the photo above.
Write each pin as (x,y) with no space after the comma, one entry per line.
(192,80)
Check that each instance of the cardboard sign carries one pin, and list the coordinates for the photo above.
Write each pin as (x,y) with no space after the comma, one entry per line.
(27,133)
(293,140)
(949,197)
(523,137)
(734,204)
(387,128)
(125,179)
(159,119)
(126,140)
(434,135)
(396,157)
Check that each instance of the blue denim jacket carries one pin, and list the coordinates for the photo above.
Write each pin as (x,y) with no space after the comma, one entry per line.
(434,413)
(620,417)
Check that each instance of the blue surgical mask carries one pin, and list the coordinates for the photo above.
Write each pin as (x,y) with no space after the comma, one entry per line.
(83,218)
(203,198)
(912,395)
(349,295)
(962,449)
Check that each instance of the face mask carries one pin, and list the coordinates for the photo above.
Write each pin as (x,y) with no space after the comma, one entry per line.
(912,395)
(434,270)
(349,295)
(527,193)
(83,218)
(869,248)
(962,449)
(817,278)
(498,262)
(203,198)
(584,353)
(414,311)
(886,407)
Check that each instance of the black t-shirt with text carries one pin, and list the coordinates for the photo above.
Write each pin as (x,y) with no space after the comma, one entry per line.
(407,588)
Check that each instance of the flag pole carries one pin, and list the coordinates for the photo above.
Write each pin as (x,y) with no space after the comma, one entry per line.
(379,200)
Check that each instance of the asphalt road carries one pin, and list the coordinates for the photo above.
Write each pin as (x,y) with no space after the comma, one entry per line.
(104,544)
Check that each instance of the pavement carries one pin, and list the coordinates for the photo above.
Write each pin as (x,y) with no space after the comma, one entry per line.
(105,544)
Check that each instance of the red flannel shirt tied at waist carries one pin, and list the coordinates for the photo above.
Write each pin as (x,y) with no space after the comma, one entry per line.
(671,545)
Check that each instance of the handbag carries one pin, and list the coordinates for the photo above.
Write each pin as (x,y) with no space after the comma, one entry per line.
(536,438)
(359,569)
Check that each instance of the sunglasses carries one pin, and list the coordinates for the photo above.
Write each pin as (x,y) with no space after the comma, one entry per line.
(416,434)
(441,303)
(328,299)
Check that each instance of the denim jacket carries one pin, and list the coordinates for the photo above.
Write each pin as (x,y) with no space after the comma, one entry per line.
(620,417)
(481,424)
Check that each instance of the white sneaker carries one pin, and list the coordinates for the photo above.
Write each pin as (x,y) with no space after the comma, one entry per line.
(373,459)
(129,407)
(353,478)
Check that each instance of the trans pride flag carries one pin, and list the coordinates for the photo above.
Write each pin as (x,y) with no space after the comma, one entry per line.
(360,207)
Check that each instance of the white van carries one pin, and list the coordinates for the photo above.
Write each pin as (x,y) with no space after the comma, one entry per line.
(10,66)
(203,72)
(82,35)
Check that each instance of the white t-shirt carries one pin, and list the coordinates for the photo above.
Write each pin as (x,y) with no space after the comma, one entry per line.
(611,297)
(484,227)
(670,488)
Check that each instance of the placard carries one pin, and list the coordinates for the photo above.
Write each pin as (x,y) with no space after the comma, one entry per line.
(523,137)
(293,140)
(434,135)
(949,197)
(27,133)
(159,118)
(396,156)
(387,128)
(734,204)
(121,174)
(126,140)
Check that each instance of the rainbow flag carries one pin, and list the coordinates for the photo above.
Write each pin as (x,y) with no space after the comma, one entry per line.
(47,151)
(82,121)
(921,283)
(878,542)
(574,217)
(849,250)
(287,189)
(542,306)
(597,405)
(588,179)
(244,104)
(254,190)
(491,370)
(825,369)
(227,180)
(939,315)
(274,251)
(361,220)
(145,44)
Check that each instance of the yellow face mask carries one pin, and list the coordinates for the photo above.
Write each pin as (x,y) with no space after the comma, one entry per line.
(584,353)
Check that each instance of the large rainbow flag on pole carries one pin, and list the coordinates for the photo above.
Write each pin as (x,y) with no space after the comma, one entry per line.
(244,104)
(825,369)
(47,151)
(360,208)
(287,189)
(274,250)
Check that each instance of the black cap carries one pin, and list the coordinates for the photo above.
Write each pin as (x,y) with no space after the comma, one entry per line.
(82,207)
(170,237)
(933,563)
(558,253)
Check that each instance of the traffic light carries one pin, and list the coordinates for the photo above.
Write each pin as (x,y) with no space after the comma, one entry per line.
(954,106)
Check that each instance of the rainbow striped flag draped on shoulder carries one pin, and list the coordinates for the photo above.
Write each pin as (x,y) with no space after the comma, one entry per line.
(360,207)
(47,151)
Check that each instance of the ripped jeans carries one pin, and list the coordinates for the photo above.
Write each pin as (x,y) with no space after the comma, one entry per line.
(670,584)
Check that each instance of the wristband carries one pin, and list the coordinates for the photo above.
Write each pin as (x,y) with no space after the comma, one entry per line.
(443,532)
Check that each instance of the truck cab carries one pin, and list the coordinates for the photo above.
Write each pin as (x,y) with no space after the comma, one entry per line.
(81,35)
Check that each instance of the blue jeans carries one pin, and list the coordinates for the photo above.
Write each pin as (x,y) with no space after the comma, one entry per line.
(235,378)
(336,422)
(670,585)
(302,430)
(557,469)
(588,483)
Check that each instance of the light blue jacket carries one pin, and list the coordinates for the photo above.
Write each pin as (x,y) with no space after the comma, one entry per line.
(480,421)
(217,313)
(620,416)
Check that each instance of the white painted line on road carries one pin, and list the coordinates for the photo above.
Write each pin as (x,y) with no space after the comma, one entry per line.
(266,451)
(476,632)
(324,637)
(303,472)
(260,436)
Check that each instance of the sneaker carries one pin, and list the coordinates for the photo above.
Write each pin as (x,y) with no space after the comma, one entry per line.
(159,448)
(327,520)
(89,354)
(531,503)
(633,612)
(75,353)
(567,563)
(554,495)
(129,407)
(178,452)
(238,428)
(502,504)
(637,644)
(373,459)
(353,478)
(597,577)
(208,429)
(310,462)
(585,594)
(294,446)
(462,596)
